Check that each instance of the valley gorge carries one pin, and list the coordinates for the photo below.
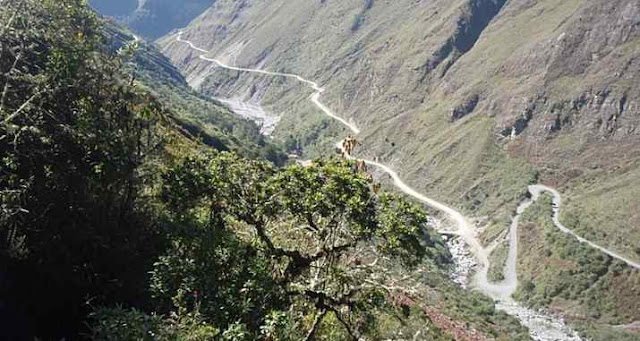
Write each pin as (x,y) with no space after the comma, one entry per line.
(238,170)
(151,18)
(482,137)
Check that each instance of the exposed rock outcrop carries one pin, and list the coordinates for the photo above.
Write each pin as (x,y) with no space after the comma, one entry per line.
(464,108)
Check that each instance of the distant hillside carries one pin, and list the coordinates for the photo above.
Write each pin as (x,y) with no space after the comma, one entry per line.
(198,115)
(115,8)
(152,18)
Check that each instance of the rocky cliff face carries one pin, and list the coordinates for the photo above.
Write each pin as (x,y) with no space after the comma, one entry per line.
(152,18)
(470,99)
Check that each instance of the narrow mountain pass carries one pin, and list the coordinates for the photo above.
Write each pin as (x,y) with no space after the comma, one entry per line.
(542,326)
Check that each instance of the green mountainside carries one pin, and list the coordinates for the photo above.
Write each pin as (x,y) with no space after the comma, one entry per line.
(124,217)
(470,100)
(598,292)
(198,115)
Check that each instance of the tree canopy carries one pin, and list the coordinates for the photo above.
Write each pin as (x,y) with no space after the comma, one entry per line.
(251,242)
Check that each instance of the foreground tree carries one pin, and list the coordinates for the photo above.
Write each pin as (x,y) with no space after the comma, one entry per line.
(314,243)
(75,137)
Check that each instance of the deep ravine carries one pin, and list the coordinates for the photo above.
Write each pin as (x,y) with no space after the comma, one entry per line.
(543,327)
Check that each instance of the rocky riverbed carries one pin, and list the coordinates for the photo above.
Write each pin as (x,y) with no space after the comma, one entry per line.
(463,260)
(253,112)
(543,326)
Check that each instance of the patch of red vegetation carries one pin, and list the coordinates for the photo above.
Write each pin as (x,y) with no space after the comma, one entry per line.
(459,330)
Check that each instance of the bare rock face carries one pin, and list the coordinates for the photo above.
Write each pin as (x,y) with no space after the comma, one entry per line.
(465,108)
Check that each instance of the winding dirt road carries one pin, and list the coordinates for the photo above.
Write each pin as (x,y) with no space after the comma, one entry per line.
(466,230)
(536,191)
(501,291)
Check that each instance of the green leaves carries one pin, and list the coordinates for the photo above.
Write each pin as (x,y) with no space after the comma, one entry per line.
(117,324)
(76,144)
(328,196)
(307,224)
(220,183)
(329,204)
(401,231)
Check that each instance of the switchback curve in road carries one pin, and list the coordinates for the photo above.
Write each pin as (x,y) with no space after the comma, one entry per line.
(537,190)
(465,229)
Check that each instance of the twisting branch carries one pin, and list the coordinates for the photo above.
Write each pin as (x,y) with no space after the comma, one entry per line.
(353,333)
(21,108)
(298,261)
(31,99)
(312,225)
(328,251)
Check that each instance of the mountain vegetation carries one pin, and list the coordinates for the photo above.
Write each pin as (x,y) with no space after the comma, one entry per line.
(198,115)
(119,222)
(592,288)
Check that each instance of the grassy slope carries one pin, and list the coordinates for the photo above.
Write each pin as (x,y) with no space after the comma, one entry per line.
(594,291)
(354,66)
(198,115)
(505,68)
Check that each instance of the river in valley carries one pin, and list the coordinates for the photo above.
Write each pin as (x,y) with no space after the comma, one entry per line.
(252,111)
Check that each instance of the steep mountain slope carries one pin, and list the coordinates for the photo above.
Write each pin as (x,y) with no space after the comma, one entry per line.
(152,18)
(114,226)
(546,83)
(198,115)
(471,100)
(379,72)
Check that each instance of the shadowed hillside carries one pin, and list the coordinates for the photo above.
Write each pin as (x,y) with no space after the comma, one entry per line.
(152,18)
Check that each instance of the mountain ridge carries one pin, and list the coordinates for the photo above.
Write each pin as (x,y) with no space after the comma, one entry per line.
(152,18)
